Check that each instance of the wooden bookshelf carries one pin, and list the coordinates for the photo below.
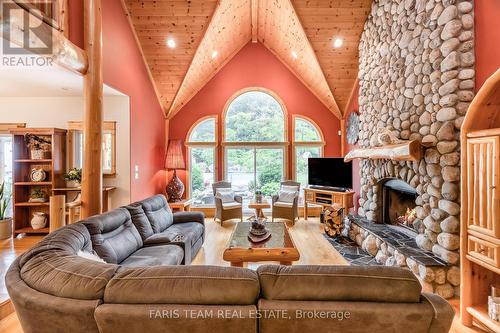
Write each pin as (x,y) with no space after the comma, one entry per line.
(480,203)
(54,165)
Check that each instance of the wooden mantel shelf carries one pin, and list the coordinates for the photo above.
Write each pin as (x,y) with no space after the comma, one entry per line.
(405,151)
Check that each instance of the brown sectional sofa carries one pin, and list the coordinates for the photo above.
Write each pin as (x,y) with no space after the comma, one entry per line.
(55,290)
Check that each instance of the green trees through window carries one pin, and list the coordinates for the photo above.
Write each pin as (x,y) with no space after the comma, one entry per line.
(254,121)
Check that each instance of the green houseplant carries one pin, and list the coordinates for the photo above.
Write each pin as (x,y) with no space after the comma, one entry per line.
(74,175)
(5,222)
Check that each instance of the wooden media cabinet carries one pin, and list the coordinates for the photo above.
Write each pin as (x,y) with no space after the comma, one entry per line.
(327,198)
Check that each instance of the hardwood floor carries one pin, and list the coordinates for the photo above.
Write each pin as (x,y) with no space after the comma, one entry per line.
(308,236)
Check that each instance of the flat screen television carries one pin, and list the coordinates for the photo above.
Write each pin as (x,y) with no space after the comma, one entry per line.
(330,172)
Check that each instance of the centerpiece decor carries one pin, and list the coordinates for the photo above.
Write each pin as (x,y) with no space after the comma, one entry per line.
(5,222)
(39,146)
(258,232)
(174,161)
(258,196)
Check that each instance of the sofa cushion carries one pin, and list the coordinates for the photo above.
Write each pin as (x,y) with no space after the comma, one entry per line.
(53,266)
(160,255)
(283,204)
(231,205)
(339,283)
(183,285)
(140,220)
(114,236)
(158,212)
(190,230)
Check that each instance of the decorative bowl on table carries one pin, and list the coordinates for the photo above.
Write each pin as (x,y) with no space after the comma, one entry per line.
(258,232)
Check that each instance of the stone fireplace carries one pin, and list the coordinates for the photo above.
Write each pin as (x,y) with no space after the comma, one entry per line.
(416,78)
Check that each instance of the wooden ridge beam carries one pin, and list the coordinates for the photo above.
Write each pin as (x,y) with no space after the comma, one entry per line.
(64,52)
(255,21)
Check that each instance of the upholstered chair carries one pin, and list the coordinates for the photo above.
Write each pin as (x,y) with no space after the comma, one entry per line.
(226,208)
(287,206)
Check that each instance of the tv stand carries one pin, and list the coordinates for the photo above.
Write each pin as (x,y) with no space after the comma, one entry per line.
(324,197)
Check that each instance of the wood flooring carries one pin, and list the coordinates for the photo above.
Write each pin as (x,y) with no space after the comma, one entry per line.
(308,236)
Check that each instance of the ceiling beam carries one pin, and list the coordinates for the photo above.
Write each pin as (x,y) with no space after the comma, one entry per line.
(351,96)
(255,21)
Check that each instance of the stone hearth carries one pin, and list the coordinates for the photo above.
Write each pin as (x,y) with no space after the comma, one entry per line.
(366,243)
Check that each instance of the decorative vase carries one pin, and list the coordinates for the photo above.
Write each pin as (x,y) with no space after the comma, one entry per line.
(37,154)
(175,188)
(5,228)
(39,221)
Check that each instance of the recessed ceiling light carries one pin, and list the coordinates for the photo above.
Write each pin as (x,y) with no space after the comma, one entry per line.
(294,55)
(171,43)
(214,54)
(338,42)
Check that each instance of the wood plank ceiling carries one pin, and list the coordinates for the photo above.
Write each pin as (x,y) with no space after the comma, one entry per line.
(208,33)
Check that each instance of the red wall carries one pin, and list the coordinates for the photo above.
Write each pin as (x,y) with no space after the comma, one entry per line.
(487,39)
(255,66)
(124,70)
(356,178)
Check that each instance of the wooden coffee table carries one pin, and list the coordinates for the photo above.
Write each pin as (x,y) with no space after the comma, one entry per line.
(279,247)
(259,206)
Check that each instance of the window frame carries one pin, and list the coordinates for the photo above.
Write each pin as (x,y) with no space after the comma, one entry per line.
(109,127)
(305,144)
(200,144)
(257,144)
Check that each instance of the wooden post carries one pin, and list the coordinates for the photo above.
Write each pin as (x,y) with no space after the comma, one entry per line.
(57,212)
(93,113)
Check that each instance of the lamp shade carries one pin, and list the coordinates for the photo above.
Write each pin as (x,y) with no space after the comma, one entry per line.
(175,158)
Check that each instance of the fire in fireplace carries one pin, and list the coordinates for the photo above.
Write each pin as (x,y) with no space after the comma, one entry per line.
(398,204)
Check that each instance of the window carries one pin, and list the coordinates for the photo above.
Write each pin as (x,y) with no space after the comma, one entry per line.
(6,159)
(307,143)
(108,146)
(202,144)
(255,142)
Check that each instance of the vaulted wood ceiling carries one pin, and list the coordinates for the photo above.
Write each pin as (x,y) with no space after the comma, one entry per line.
(208,33)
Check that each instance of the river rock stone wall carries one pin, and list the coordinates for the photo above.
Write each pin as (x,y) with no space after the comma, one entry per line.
(416,76)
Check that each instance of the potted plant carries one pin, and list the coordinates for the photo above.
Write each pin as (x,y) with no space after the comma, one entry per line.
(74,175)
(37,145)
(5,222)
(37,194)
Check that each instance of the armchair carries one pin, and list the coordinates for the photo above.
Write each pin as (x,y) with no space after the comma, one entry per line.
(286,210)
(227,210)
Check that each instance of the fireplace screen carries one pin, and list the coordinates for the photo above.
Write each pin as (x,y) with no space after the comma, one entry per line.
(398,204)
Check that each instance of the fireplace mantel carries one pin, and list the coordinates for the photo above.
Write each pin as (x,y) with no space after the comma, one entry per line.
(404,151)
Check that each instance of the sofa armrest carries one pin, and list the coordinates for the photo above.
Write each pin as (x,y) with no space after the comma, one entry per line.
(339,283)
(183,217)
(238,198)
(443,313)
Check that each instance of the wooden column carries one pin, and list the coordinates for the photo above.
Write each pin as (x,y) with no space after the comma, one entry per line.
(93,113)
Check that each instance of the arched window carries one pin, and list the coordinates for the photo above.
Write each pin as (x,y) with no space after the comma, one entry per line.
(202,158)
(255,142)
(308,142)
